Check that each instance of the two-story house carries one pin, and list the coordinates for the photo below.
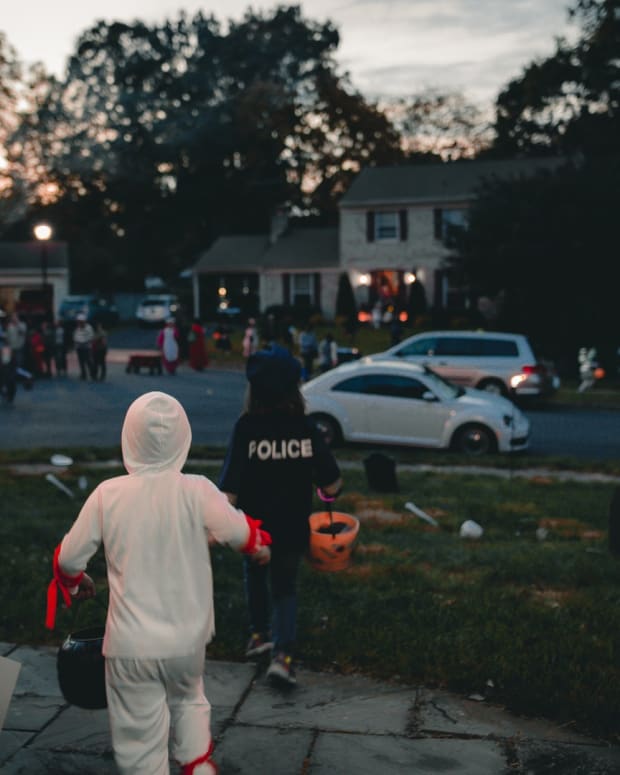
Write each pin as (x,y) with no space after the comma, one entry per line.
(396,228)
(397,224)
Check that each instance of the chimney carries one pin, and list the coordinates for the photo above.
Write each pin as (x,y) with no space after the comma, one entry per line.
(279,223)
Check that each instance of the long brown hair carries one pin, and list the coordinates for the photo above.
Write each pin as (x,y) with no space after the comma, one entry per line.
(291,403)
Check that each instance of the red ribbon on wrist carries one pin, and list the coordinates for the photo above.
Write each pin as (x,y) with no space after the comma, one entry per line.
(60,582)
(251,545)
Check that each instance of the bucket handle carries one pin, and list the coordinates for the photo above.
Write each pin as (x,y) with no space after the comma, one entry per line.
(328,500)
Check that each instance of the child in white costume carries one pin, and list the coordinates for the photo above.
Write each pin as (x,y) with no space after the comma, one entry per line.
(155,525)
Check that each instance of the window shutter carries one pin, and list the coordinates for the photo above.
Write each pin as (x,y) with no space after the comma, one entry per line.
(437,222)
(402,218)
(317,289)
(286,289)
(370,226)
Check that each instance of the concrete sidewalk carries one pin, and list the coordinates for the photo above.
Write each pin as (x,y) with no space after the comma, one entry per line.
(328,725)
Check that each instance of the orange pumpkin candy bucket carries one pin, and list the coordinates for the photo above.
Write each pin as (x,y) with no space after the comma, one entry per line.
(333,535)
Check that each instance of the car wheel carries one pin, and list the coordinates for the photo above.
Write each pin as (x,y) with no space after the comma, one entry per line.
(329,428)
(494,386)
(474,440)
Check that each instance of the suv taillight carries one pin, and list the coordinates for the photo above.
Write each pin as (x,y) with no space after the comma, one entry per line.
(537,369)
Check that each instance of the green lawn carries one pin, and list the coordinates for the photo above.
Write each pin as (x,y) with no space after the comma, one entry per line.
(539,620)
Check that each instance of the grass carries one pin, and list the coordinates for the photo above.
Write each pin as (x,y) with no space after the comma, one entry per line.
(357,452)
(538,619)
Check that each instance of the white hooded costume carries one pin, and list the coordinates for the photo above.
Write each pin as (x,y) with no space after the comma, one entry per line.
(154,524)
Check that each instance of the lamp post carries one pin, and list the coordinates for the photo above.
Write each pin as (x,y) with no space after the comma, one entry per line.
(43,233)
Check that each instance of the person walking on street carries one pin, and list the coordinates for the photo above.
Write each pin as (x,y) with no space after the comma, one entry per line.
(275,454)
(37,352)
(155,525)
(83,343)
(168,344)
(17,334)
(308,349)
(49,345)
(60,349)
(250,339)
(100,351)
(328,353)
(198,356)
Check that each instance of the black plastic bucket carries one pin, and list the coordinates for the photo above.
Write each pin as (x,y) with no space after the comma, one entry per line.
(81,669)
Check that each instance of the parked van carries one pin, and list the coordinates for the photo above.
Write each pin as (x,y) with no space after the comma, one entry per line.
(488,360)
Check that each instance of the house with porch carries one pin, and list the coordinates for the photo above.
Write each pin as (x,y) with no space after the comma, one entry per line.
(396,230)
(33,274)
(291,266)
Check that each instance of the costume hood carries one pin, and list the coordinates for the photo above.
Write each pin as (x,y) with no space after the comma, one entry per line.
(156,434)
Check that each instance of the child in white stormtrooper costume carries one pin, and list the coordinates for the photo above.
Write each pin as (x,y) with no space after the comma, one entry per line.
(155,525)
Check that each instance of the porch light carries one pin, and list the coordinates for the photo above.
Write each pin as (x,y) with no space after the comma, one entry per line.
(410,278)
(364,279)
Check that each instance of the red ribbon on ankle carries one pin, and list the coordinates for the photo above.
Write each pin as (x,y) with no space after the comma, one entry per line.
(188,769)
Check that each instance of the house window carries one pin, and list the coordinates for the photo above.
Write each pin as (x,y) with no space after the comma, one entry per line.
(386,226)
(301,289)
(447,223)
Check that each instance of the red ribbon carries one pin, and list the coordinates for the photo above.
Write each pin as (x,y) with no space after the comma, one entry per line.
(255,530)
(188,769)
(63,582)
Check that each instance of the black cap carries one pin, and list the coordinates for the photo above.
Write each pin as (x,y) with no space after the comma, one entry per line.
(273,372)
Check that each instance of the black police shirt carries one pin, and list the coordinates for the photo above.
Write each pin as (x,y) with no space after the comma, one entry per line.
(271,465)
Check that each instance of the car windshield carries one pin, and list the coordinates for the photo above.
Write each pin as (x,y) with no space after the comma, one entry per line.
(154,302)
(443,389)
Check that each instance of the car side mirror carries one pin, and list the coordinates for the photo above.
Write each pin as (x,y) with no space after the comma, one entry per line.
(429,396)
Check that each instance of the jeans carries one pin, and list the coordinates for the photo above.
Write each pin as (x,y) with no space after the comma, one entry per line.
(281,574)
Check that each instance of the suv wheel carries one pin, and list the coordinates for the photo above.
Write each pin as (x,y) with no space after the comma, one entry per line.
(493,386)
(474,440)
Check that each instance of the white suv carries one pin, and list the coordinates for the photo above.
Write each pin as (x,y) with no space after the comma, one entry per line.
(488,360)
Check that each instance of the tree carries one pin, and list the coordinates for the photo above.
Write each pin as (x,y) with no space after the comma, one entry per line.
(443,125)
(570,102)
(544,244)
(12,195)
(162,137)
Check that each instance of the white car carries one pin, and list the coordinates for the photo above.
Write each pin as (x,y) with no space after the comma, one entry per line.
(391,402)
(489,360)
(157,308)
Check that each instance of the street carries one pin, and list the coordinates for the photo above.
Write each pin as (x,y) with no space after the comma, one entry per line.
(64,413)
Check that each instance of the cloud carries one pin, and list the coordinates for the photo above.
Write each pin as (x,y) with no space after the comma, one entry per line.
(475,46)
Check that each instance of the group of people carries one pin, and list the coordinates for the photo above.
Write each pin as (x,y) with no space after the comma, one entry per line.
(156,525)
(169,346)
(40,350)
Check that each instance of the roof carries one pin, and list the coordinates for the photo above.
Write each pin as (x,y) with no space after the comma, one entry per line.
(304,249)
(428,183)
(296,249)
(27,255)
(235,253)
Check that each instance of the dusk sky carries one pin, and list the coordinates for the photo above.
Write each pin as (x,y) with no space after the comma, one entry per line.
(390,47)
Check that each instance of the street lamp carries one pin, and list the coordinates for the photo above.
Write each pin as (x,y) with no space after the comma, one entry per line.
(43,233)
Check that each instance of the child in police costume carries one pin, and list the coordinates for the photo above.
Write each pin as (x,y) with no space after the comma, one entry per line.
(155,525)
(275,455)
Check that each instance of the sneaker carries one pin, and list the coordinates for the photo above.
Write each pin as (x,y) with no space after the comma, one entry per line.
(281,670)
(257,645)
